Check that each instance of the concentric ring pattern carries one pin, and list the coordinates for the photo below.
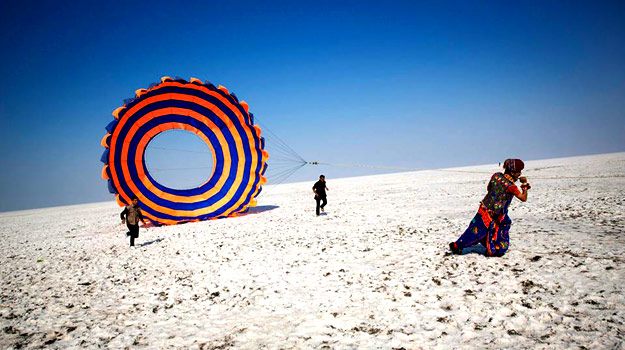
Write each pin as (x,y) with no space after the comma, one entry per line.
(216,116)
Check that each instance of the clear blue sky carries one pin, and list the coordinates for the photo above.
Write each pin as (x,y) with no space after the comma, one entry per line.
(414,84)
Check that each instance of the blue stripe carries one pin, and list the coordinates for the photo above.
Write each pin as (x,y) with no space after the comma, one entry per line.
(105,156)
(111,126)
(111,187)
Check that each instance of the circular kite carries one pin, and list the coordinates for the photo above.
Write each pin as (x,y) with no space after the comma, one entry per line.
(217,117)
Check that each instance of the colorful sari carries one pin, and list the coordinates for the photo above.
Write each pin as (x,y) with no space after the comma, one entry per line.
(491,225)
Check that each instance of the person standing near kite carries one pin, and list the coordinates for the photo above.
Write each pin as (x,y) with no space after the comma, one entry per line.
(319,189)
(491,224)
(131,217)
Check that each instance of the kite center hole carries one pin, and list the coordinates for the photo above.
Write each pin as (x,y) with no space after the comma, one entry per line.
(179,159)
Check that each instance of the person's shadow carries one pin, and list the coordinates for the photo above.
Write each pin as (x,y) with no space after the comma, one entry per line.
(475,249)
(152,242)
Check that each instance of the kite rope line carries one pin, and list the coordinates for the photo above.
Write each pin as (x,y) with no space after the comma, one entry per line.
(290,162)
(287,169)
(280,144)
(465,171)
(285,162)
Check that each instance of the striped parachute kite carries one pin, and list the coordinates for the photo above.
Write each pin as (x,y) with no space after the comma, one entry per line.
(217,117)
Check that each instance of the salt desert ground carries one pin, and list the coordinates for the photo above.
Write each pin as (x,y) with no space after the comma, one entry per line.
(373,273)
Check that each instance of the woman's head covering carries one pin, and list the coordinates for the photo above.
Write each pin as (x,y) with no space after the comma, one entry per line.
(513,165)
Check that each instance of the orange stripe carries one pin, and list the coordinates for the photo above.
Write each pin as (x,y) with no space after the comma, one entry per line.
(119,202)
(496,228)
(223,88)
(140,92)
(245,106)
(103,142)
(157,219)
(117,110)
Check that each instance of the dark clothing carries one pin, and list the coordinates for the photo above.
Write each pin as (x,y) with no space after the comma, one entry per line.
(133,232)
(320,188)
(320,205)
(132,214)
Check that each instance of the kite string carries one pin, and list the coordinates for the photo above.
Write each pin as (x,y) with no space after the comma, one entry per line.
(279,141)
(465,171)
(288,156)
(286,164)
(281,178)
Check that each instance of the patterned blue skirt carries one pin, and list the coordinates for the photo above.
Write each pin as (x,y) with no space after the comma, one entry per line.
(492,234)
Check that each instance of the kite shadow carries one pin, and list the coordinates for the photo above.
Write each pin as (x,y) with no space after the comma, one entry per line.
(261,209)
(152,242)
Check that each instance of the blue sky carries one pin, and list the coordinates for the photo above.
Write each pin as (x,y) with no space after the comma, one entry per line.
(408,84)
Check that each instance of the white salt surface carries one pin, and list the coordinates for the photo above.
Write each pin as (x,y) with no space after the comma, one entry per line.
(371,274)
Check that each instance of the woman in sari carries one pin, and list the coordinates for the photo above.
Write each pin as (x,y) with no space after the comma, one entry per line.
(491,224)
